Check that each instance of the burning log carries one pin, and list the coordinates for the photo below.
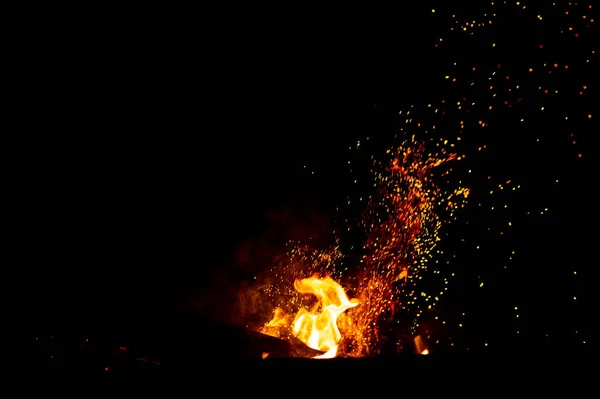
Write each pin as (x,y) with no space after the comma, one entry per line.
(258,345)
(296,348)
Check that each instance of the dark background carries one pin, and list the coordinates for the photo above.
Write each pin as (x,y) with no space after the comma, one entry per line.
(163,158)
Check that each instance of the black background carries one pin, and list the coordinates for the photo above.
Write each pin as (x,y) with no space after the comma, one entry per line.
(154,146)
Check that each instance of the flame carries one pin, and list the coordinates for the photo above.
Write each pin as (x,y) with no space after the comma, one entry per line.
(400,229)
(317,327)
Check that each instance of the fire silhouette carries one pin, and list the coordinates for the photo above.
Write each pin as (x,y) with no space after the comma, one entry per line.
(401,225)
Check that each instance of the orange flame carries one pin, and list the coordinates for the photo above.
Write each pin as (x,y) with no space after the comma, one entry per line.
(317,328)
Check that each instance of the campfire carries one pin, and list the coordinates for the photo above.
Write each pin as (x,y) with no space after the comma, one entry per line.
(335,309)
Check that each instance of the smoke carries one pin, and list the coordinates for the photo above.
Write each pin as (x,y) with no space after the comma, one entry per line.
(298,222)
(230,291)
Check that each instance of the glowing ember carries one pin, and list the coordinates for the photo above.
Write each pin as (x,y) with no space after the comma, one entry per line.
(401,226)
(420,346)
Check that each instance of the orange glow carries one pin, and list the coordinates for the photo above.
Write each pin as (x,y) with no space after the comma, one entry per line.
(421,346)
(317,327)
(401,223)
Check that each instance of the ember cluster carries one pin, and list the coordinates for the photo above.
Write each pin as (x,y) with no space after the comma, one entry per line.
(514,99)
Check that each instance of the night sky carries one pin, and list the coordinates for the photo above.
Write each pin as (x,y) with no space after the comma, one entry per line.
(167,158)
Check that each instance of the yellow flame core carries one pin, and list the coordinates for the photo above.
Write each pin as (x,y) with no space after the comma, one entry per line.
(317,328)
